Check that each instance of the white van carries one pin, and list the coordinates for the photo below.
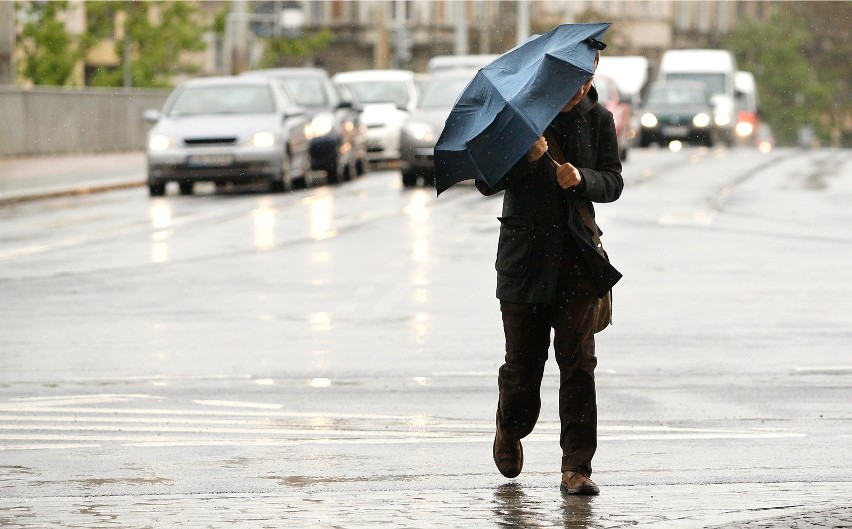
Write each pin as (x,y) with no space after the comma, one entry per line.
(716,69)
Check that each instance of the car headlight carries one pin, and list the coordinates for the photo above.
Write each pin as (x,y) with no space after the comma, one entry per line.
(159,142)
(420,131)
(648,120)
(701,120)
(723,119)
(744,129)
(320,125)
(262,139)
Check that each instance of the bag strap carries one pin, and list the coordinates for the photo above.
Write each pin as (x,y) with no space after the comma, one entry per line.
(582,205)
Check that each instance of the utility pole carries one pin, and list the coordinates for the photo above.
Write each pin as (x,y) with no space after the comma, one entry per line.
(402,37)
(381,55)
(7,43)
(461,47)
(236,38)
(127,53)
(523,28)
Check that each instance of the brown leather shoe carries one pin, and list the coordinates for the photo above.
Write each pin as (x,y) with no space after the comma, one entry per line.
(508,455)
(576,483)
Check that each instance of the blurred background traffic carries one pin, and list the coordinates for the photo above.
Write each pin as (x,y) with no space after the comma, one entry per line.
(346,85)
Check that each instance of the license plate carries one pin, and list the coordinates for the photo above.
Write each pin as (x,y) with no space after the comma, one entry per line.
(209,160)
(675,131)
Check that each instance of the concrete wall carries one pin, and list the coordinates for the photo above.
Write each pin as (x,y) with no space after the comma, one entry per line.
(58,121)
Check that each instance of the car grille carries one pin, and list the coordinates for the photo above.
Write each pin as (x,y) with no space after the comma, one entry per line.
(209,141)
(675,120)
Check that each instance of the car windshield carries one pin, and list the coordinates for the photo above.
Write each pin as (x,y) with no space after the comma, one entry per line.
(366,92)
(223,99)
(442,93)
(676,96)
(307,91)
(715,82)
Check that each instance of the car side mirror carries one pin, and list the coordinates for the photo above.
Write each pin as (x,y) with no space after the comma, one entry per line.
(346,104)
(151,115)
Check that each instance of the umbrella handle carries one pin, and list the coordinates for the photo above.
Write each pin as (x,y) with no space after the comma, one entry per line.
(555,163)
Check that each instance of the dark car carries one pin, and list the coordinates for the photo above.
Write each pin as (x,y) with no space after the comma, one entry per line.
(425,122)
(677,110)
(336,135)
(227,129)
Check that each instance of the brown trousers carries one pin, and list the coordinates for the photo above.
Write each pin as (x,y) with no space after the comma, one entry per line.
(527,329)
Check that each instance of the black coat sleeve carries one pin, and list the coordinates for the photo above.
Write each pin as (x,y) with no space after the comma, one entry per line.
(603,182)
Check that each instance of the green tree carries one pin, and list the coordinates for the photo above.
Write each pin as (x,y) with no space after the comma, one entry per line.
(280,51)
(157,33)
(49,51)
(802,72)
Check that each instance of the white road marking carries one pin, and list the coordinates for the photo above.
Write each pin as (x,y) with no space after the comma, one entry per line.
(823,370)
(85,428)
(238,404)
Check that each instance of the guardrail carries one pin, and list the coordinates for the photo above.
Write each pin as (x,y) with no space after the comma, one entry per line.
(46,120)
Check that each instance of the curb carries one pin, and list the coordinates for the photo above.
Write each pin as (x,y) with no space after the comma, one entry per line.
(84,188)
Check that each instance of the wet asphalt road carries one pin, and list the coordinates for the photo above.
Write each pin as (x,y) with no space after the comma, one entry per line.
(328,357)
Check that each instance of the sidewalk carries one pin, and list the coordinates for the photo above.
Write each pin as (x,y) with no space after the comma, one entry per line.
(35,177)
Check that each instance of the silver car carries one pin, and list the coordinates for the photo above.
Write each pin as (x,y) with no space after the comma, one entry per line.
(423,127)
(227,129)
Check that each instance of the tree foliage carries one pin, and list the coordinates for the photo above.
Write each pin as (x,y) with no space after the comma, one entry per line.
(800,61)
(158,33)
(280,50)
(49,51)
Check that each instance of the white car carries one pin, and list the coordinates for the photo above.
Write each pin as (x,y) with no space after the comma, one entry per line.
(385,97)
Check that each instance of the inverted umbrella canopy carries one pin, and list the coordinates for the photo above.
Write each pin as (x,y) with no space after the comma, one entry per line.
(508,104)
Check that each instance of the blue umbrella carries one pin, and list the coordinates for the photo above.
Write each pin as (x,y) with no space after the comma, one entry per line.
(509,103)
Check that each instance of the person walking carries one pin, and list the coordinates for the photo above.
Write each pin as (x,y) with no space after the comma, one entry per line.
(552,273)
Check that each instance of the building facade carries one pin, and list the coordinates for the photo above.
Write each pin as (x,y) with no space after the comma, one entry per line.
(406,33)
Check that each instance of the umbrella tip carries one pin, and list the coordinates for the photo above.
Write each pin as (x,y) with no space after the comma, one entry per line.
(595,43)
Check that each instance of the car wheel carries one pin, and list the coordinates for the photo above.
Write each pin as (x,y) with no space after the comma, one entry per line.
(282,181)
(622,154)
(185,187)
(361,167)
(157,189)
(409,178)
(335,172)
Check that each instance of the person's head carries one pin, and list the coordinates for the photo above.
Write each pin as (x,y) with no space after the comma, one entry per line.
(581,93)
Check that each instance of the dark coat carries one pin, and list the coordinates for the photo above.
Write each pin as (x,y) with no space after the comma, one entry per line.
(541,222)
